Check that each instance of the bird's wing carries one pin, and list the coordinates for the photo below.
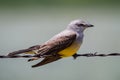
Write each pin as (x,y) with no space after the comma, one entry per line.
(29,50)
(57,44)
(52,46)
(50,49)
(47,60)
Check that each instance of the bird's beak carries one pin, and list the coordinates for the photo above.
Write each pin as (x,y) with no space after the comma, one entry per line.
(90,25)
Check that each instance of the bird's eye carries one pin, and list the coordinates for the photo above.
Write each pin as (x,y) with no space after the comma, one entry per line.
(80,25)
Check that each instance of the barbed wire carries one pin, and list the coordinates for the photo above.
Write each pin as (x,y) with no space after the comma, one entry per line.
(77,55)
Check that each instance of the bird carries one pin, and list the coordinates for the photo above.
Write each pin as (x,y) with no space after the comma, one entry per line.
(64,44)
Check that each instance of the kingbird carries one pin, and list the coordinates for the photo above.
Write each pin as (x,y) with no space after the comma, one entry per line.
(64,44)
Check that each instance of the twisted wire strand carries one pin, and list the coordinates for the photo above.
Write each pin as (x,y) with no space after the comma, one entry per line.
(78,55)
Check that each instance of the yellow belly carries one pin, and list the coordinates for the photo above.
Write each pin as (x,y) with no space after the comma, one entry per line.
(70,50)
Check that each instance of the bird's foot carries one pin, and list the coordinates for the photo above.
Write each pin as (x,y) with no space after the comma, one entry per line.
(75,55)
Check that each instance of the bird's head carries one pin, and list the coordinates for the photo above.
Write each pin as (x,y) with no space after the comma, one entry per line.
(79,25)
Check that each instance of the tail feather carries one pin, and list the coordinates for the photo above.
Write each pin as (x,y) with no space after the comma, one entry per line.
(26,51)
(19,52)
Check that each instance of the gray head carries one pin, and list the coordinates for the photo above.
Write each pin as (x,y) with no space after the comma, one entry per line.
(79,25)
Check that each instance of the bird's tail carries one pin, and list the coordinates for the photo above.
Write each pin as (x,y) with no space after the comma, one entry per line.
(30,50)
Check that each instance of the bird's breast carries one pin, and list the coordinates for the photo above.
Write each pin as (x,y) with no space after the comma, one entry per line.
(71,50)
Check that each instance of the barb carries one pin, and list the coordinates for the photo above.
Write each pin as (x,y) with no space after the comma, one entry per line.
(77,55)
(96,54)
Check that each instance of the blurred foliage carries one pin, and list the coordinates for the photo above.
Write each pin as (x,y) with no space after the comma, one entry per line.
(58,2)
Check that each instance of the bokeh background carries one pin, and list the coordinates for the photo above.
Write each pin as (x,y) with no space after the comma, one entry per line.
(24,23)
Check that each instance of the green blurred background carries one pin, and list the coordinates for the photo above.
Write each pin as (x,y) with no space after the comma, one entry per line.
(25,23)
